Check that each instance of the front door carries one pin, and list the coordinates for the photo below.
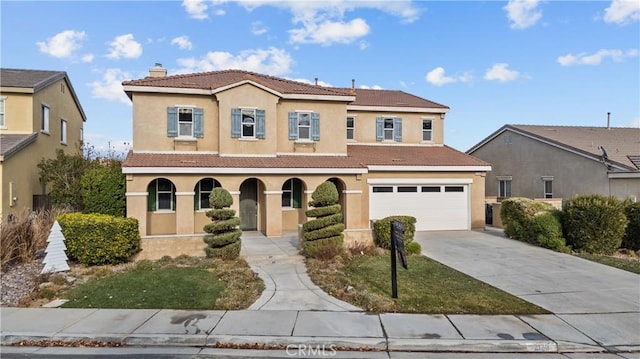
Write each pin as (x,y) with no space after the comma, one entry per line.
(249,205)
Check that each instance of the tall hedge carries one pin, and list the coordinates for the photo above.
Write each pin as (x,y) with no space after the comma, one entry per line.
(533,222)
(594,223)
(631,238)
(324,234)
(223,240)
(97,239)
(103,189)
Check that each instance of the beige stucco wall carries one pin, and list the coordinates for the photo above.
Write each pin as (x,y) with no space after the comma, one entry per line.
(527,160)
(23,115)
(365,126)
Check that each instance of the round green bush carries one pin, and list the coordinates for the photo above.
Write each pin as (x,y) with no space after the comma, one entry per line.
(631,238)
(382,230)
(326,232)
(220,198)
(594,223)
(222,226)
(546,229)
(231,251)
(325,194)
(223,239)
(413,248)
(516,214)
(103,189)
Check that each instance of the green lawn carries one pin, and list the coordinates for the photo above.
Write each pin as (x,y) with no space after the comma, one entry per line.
(186,283)
(629,265)
(427,287)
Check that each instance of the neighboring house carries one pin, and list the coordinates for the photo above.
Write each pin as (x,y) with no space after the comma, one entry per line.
(39,113)
(561,161)
(272,141)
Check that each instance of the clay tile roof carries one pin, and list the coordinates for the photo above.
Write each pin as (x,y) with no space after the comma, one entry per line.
(391,98)
(622,144)
(358,156)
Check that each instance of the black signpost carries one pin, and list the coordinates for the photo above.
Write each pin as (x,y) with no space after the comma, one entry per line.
(397,245)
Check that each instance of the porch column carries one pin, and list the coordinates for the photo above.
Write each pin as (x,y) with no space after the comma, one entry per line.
(354,218)
(273,213)
(137,208)
(185,213)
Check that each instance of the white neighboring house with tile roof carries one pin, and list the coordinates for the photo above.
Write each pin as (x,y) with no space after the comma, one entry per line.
(272,141)
(39,114)
(538,161)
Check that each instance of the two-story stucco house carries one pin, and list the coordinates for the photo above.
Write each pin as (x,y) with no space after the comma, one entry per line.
(561,161)
(39,113)
(272,141)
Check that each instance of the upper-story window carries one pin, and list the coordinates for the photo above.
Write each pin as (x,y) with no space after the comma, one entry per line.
(304,126)
(3,99)
(351,127)
(63,132)
(389,129)
(427,130)
(44,124)
(185,122)
(247,123)
(504,186)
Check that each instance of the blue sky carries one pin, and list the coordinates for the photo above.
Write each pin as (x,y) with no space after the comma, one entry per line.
(493,62)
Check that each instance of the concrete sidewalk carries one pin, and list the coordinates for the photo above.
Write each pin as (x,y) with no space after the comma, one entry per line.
(279,329)
(599,301)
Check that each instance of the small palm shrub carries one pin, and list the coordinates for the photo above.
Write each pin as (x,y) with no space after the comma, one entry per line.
(323,236)
(594,223)
(223,240)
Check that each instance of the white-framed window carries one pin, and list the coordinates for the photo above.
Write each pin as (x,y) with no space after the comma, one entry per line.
(304,126)
(292,193)
(351,127)
(504,188)
(203,191)
(427,130)
(63,131)
(162,195)
(388,129)
(248,123)
(547,187)
(185,122)
(44,124)
(3,100)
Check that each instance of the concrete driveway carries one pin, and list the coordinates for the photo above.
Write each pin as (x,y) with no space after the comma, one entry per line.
(601,301)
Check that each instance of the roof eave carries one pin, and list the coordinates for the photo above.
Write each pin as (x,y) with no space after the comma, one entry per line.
(18,147)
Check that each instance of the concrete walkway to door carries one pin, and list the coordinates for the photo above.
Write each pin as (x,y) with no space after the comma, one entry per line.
(601,301)
(281,267)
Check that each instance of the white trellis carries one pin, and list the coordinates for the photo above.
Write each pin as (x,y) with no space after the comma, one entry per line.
(55,259)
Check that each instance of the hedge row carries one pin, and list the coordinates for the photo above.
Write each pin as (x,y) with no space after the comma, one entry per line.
(587,223)
(97,239)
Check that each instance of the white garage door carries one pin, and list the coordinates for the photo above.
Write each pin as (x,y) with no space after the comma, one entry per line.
(435,206)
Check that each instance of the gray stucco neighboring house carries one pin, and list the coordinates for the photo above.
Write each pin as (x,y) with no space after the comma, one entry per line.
(561,161)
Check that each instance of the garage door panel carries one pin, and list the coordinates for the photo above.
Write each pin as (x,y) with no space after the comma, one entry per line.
(444,210)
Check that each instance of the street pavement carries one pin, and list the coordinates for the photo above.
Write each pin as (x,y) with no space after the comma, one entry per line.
(294,318)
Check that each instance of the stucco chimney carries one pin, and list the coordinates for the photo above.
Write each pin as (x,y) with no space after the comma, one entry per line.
(157,71)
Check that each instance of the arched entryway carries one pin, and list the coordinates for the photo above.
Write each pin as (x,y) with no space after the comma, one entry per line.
(249,205)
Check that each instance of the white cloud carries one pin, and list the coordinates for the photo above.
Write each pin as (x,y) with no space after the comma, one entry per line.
(197,9)
(110,87)
(437,77)
(622,11)
(270,61)
(597,57)
(258,28)
(523,13)
(63,44)
(182,42)
(124,46)
(374,87)
(635,123)
(329,32)
(500,72)
(87,58)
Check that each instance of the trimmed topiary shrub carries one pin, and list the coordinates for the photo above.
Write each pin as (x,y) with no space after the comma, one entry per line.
(382,230)
(323,235)
(533,222)
(97,239)
(631,238)
(103,189)
(594,223)
(223,240)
